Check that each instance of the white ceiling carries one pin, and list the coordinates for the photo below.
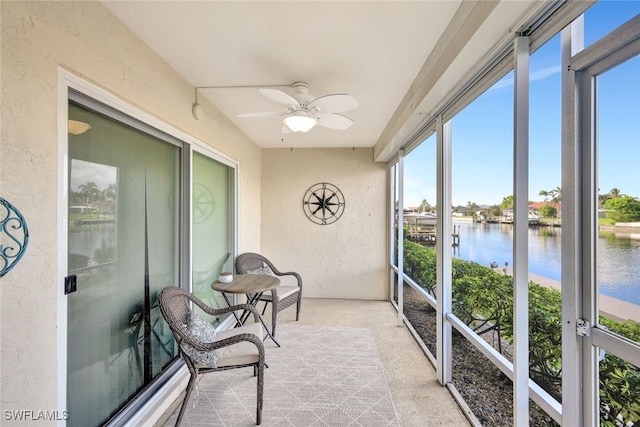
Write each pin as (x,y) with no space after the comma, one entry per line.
(372,50)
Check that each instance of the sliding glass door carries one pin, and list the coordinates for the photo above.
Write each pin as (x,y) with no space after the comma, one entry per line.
(212,219)
(123,248)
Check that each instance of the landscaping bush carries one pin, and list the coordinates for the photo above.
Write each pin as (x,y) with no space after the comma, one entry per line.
(619,381)
(545,338)
(483,299)
(419,264)
(623,209)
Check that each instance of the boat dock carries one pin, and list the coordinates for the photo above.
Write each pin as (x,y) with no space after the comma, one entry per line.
(426,234)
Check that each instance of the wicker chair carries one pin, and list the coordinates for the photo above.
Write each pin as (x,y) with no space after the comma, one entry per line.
(237,348)
(281,297)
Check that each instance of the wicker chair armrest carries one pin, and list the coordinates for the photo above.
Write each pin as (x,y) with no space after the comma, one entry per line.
(290,273)
(286,273)
(218,311)
(242,267)
(253,338)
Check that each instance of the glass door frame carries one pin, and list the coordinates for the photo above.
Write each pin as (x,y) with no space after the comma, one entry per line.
(163,391)
(233,204)
(234,200)
(580,310)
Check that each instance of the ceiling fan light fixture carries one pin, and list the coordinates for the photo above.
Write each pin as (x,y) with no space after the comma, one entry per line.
(76,127)
(300,122)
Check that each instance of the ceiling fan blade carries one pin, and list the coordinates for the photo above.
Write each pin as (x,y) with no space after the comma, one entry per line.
(333,121)
(263,114)
(280,97)
(335,103)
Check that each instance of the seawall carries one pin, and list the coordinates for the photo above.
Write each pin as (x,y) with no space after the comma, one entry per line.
(611,307)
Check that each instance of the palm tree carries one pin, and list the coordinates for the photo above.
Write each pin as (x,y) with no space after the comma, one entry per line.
(90,192)
(552,198)
(110,192)
(544,194)
(473,207)
(556,197)
(507,202)
(424,206)
(614,193)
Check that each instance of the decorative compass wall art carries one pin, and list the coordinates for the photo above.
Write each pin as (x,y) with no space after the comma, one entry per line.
(323,203)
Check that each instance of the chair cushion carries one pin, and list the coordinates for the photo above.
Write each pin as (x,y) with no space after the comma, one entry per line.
(265,269)
(202,331)
(243,352)
(281,293)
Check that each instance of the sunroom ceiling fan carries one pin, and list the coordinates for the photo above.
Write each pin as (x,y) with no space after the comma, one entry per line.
(305,111)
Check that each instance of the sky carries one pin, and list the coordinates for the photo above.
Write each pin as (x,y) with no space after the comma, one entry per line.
(83,172)
(482,152)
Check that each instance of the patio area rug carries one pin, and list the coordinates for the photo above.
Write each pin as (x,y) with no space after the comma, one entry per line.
(321,376)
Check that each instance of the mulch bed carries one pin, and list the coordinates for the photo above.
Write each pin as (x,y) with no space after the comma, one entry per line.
(485,389)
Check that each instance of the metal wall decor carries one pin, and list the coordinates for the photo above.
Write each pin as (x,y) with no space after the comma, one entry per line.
(323,203)
(14,236)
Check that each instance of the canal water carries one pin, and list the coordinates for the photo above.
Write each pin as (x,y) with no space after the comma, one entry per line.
(618,258)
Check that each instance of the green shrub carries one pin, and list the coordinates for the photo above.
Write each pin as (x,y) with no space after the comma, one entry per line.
(483,299)
(623,209)
(545,338)
(419,264)
(619,381)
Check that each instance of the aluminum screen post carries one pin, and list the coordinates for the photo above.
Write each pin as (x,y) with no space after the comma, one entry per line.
(520,234)
(400,238)
(443,252)
(572,40)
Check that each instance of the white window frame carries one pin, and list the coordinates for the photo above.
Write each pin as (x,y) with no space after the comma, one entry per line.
(581,353)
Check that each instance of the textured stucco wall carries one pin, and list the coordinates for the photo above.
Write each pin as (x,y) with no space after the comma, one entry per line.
(345,259)
(85,39)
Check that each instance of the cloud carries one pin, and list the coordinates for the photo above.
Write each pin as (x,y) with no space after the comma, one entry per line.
(533,76)
(544,73)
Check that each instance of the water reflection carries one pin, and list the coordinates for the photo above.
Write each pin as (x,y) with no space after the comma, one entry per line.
(618,258)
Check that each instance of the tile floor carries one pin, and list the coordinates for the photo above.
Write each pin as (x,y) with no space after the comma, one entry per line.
(418,398)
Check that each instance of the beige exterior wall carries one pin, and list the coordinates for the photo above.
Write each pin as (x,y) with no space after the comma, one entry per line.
(83,38)
(345,259)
